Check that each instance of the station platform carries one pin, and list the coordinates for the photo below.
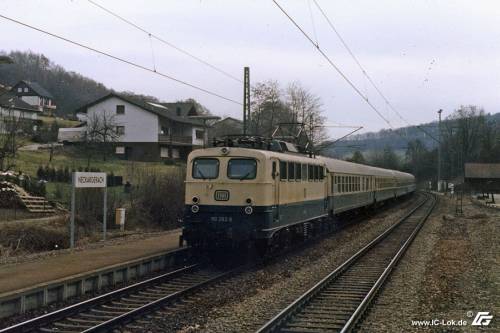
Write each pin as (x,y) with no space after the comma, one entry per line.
(23,275)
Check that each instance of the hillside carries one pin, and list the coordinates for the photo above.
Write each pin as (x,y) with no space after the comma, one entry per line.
(70,89)
(397,140)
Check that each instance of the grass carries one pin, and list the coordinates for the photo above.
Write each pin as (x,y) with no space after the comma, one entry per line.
(60,121)
(29,161)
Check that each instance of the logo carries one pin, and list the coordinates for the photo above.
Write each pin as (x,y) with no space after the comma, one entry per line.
(482,319)
(221,195)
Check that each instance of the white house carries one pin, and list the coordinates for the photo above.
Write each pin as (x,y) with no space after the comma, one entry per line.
(14,108)
(148,131)
(35,95)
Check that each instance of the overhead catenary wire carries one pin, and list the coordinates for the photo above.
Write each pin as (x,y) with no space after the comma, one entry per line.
(365,73)
(353,86)
(128,62)
(162,40)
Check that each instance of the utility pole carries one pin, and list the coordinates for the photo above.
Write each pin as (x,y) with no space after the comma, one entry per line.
(246,99)
(439,153)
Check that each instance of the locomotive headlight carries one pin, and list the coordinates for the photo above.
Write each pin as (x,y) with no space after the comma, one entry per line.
(195,208)
(248,210)
(224,151)
(195,199)
(248,201)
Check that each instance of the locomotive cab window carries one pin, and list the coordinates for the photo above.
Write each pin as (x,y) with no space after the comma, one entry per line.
(205,168)
(242,168)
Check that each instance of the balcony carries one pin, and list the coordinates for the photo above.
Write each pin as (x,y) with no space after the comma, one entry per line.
(175,139)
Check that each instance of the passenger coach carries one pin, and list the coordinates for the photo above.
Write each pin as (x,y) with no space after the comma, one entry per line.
(235,195)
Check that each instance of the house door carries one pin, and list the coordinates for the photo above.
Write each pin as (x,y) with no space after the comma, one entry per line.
(128,153)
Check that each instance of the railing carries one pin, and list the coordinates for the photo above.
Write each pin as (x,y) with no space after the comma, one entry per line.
(175,139)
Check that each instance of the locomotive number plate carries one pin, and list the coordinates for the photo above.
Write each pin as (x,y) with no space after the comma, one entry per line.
(221,195)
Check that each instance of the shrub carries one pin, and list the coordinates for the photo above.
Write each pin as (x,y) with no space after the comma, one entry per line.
(159,198)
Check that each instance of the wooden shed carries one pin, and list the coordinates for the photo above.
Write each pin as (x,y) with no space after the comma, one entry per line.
(483,177)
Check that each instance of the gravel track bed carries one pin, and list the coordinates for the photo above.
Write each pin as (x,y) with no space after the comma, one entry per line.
(451,268)
(245,302)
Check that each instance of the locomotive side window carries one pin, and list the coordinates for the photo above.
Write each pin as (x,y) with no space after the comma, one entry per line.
(291,171)
(321,173)
(304,172)
(205,168)
(242,168)
(311,172)
(273,173)
(282,170)
(298,172)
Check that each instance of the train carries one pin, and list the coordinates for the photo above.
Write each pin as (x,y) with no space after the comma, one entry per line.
(272,195)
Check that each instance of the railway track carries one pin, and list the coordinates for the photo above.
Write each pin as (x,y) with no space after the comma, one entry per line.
(122,306)
(337,303)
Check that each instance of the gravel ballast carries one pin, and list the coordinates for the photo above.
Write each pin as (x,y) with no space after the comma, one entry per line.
(247,301)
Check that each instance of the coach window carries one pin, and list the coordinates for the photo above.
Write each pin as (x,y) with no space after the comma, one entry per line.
(304,172)
(205,168)
(282,170)
(242,168)
(321,173)
(291,170)
(298,170)
(311,172)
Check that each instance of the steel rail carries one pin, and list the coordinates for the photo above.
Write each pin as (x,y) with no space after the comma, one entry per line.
(276,322)
(65,312)
(356,316)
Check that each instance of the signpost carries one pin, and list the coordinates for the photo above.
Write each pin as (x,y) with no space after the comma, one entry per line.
(88,180)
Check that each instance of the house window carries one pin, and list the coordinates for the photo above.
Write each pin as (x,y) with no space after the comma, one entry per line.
(120,109)
(164,152)
(120,150)
(200,134)
(19,89)
(120,130)
(165,130)
(26,89)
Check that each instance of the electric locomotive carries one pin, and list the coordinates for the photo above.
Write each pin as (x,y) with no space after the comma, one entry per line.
(270,194)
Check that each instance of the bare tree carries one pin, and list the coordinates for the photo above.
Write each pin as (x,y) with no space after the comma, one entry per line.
(306,108)
(268,108)
(272,106)
(10,124)
(101,132)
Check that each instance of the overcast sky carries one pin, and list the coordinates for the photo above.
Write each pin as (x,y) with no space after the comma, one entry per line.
(423,55)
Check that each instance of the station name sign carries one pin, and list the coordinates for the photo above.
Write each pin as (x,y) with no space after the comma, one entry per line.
(89,179)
